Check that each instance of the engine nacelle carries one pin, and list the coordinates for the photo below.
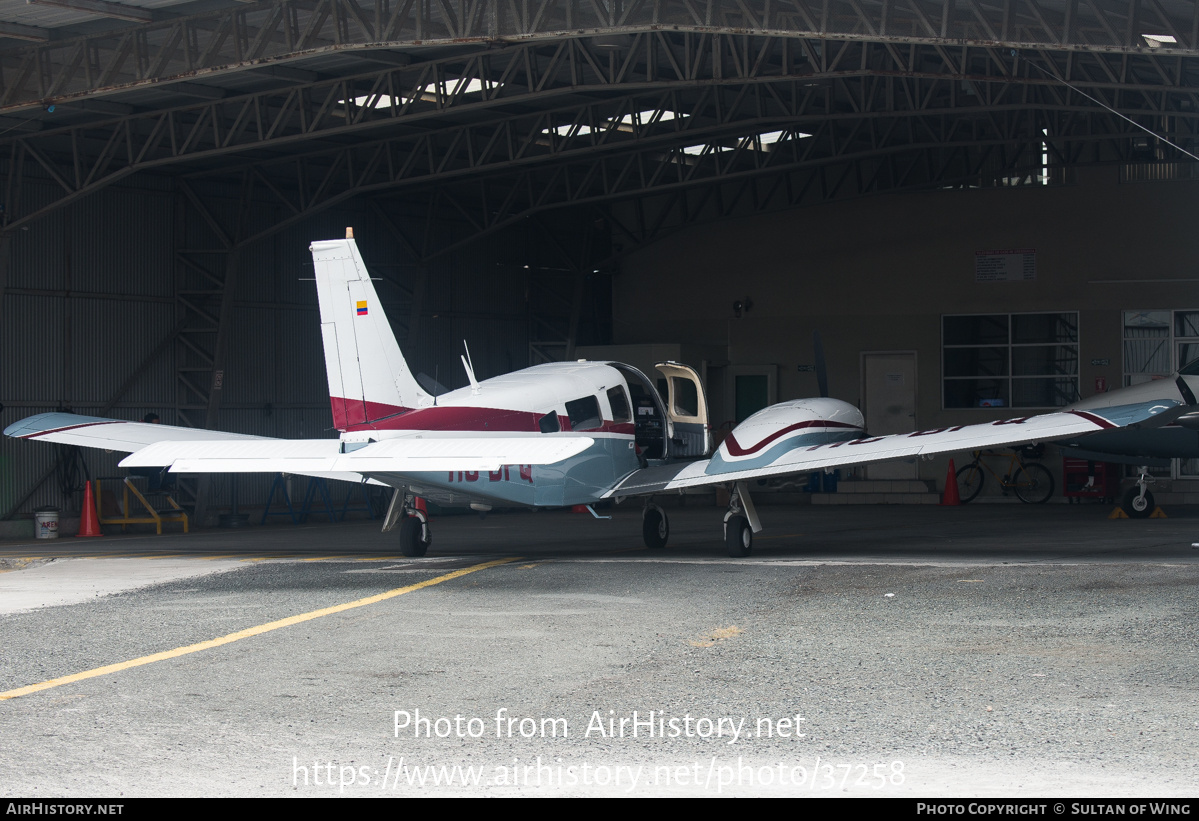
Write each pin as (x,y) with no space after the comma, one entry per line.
(773,431)
(1189,421)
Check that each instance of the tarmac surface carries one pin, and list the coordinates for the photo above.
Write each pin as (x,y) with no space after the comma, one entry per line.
(1000,650)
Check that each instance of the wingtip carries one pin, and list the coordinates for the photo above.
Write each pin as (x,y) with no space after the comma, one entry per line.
(30,424)
(51,421)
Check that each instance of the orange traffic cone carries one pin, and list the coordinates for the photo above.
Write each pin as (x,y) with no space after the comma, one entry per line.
(950,496)
(89,522)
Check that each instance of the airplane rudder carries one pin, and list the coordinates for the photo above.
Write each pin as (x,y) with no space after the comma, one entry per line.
(363,358)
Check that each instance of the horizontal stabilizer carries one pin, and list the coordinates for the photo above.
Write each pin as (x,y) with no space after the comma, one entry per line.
(403,455)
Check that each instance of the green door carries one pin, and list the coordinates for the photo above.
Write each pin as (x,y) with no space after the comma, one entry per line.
(753,394)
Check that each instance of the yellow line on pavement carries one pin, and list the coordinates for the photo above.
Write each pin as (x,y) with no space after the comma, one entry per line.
(247,633)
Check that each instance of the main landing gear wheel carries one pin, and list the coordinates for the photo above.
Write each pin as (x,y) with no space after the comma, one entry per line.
(1136,505)
(738,537)
(413,541)
(655,528)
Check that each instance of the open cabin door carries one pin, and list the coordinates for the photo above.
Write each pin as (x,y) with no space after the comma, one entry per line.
(687,411)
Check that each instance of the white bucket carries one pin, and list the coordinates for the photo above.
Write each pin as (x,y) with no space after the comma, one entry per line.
(46,524)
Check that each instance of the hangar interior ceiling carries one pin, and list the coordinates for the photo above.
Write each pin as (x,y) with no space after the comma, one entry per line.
(507,146)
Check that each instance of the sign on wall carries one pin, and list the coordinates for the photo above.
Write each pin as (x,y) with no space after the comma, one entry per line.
(1005,266)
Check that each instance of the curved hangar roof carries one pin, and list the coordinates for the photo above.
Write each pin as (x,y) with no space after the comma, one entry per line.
(501,108)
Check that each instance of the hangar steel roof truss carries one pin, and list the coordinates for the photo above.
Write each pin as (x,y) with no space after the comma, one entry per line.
(487,111)
(232,38)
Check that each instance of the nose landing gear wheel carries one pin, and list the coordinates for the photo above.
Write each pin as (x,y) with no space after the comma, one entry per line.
(412,537)
(1137,506)
(738,537)
(655,528)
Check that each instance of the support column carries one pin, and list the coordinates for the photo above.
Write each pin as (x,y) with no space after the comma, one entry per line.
(205,301)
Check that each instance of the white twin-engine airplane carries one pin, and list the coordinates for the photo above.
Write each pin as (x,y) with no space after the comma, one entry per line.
(569,433)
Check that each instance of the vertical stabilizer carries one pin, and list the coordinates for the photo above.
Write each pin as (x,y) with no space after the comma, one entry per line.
(368,377)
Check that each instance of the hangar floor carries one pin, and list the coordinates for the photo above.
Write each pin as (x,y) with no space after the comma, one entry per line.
(974,651)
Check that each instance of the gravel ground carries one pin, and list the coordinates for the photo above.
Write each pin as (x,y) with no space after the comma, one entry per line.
(956,675)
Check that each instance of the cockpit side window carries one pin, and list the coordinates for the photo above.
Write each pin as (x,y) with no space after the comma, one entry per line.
(620,404)
(584,413)
(1191,369)
(549,423)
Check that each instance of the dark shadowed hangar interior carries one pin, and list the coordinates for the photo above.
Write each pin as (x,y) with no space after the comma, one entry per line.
(991,204)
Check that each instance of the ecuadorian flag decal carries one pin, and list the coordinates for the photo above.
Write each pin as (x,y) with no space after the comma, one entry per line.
(362,307)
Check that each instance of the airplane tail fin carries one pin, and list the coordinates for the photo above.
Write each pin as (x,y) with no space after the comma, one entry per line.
(368,377)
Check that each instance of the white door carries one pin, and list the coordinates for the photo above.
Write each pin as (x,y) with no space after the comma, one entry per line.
(889,382)
(687,409)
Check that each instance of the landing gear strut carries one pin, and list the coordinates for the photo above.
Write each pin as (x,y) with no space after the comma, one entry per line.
(740,522)
(655,527)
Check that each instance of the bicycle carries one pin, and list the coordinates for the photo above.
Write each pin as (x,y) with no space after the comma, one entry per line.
(1032,482)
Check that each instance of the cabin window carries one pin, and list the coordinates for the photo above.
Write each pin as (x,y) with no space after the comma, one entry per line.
(1010,360)
(584,413)
(549,423)
(620,405)
(686,397)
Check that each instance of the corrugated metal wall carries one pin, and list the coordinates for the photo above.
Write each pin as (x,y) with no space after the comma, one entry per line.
(90,295)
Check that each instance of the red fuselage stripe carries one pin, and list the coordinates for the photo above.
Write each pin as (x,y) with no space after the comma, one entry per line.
(457,418)
(347,413)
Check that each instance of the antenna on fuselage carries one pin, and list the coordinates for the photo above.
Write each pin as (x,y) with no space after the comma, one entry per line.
(470,369)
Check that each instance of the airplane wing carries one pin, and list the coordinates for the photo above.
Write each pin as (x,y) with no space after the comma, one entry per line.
(409,454)
(722,468)
(130,437)
(193,450)
(110,434)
